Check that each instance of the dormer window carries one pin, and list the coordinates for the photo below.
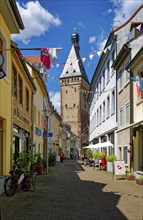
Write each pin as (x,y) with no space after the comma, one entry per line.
(135,29)
(74,71)
(67,72)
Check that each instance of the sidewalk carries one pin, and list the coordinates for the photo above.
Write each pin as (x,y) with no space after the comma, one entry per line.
(71,191)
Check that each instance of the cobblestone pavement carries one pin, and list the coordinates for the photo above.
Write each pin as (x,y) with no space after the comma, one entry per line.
(71,191)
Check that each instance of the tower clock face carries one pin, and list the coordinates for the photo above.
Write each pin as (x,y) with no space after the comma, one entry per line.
(1,59)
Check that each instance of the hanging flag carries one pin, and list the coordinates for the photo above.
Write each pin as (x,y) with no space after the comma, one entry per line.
(91,56)
(132,79)
(138,27)
(105,50)
(63,64)
(49,55)
(138,88)
(45,57)
(83,59)
(109,47)
(99,53)
(140,83)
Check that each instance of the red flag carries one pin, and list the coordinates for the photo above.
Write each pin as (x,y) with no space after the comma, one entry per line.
(138,88)
(45,57)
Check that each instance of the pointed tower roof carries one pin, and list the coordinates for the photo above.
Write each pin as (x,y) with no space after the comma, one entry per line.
(74,66)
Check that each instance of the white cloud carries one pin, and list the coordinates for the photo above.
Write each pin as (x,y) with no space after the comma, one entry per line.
(55,99)
(92,40)
(124,9)
(37,20)
(81,24)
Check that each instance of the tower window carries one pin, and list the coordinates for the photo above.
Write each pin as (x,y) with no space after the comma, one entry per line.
(67,72)
(66,105)
(66,92)
(74,105)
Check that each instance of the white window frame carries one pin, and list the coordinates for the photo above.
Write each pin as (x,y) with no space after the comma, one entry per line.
(127,114)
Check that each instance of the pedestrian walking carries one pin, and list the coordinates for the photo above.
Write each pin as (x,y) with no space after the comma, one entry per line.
(61,156)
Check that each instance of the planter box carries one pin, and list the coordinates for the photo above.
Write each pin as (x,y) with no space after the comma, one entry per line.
(130,177)
(139,182)
(110,167)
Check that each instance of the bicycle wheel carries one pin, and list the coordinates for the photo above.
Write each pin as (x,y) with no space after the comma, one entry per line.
(10,186)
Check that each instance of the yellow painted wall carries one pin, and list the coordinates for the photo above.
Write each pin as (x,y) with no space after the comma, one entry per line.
(5,99)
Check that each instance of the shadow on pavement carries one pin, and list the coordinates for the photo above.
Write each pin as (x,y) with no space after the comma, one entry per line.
(62,195)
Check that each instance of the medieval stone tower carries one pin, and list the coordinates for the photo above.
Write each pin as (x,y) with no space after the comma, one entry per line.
(74,86)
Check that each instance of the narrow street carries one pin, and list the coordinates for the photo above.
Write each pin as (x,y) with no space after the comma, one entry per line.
(72,191)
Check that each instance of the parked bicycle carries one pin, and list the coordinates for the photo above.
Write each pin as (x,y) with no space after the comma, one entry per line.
(19,179)
(52,159)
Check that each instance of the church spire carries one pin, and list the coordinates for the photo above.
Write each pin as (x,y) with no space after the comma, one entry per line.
(75,39)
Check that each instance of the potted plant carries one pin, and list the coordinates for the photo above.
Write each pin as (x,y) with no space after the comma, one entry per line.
(130,176)
(24,160)
(39,164)
(139,180)
(110,160)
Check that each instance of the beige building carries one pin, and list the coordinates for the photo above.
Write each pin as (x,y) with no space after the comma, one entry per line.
(74,91)
(23,90)
(39,109)
(136,67)
(10,23)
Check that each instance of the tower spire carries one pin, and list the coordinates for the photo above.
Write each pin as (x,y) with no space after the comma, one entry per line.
(75,38)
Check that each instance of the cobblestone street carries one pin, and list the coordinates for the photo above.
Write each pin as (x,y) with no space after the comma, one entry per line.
(71,191)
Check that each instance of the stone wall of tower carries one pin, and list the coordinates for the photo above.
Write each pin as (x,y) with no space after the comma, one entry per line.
(74,106)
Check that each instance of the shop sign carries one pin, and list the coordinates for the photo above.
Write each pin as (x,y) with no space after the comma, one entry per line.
(38,131)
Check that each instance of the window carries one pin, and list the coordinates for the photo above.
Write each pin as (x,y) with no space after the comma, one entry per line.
(103,79)
(100,85)
(38,118)
(20,90)
(121,116)
(35,118)
(39,148)
(27,100)
(108,106)
(14,82)
(120,79)
(127,109)
(125,154)
(113,102)
(127,73)
(103,117)
(97,117)
(100,119)
(108,71)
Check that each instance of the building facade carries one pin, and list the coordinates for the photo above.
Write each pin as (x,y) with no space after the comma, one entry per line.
(10,23)
(103,118)
(23,89)
(74,86)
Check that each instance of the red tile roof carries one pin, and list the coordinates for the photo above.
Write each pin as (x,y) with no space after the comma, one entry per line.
(34,59)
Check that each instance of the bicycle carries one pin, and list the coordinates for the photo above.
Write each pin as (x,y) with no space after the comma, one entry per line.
(19,179)
(52,159)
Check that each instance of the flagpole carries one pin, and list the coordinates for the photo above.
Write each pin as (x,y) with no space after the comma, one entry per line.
(1,49)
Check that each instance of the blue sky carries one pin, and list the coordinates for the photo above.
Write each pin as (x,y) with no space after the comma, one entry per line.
(50,23)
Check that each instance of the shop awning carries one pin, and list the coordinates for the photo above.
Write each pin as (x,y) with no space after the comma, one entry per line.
(100,145)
